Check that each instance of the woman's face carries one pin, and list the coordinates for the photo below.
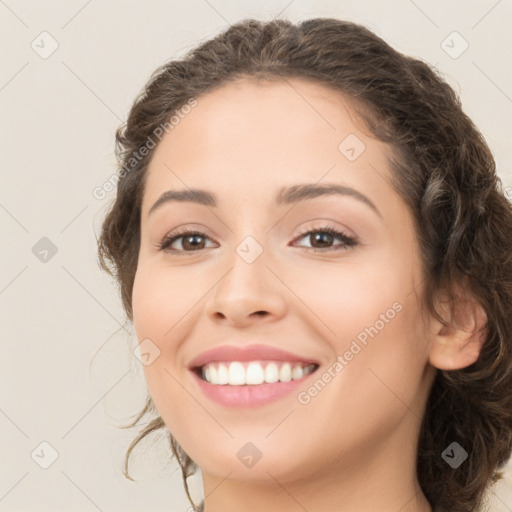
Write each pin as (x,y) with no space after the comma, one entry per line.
(252,277)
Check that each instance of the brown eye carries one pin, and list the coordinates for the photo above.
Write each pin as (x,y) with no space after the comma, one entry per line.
(193,242)
(322,238)
(190,241)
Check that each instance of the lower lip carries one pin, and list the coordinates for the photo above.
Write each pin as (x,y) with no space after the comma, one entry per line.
(248,395)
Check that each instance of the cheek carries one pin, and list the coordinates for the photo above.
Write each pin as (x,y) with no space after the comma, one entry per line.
(382,355)
(369,319)
(160,306)
(349,296)
(160,299)
(157,310)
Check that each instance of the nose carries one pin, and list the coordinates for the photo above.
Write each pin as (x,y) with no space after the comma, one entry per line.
(247,294)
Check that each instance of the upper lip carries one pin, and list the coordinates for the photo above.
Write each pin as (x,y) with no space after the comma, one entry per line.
(247,353)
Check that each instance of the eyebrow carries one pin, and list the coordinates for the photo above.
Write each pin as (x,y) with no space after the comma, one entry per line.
(286,195)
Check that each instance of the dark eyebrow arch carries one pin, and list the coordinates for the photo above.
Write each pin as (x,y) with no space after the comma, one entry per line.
(286,195)
(185,196)
(304,191)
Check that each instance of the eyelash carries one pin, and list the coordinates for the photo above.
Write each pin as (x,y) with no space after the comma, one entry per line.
(346,240)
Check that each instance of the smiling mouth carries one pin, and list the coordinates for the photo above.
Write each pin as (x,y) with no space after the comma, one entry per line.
(253,373)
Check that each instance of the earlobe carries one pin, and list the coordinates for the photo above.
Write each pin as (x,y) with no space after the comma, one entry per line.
(458,346)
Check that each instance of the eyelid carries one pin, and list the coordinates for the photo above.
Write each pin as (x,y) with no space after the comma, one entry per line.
(178,233)
(346,239)
(325,224)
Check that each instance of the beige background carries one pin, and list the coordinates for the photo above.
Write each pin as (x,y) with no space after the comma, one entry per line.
(68,375)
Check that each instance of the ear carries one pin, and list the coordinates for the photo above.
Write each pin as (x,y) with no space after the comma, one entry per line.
(459,345)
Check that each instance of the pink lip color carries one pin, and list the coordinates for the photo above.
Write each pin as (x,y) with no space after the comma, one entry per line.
(248,395)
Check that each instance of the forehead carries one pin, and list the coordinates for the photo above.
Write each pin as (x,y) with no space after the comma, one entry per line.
(247,109)
(251,136)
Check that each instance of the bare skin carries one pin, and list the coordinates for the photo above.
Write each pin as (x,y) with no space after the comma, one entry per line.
(352,447)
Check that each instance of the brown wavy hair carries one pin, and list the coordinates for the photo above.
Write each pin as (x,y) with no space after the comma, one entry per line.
(442,168)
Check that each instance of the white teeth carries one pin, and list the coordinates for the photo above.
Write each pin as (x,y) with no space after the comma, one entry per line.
(236,374)
(271,373)
(222,374)
(254,372)
(285,373)
(297,372)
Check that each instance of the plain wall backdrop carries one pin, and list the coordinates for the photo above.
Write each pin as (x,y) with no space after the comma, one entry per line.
(70,71)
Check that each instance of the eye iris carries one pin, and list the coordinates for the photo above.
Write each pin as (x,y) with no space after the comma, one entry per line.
(321,235)
(186,240)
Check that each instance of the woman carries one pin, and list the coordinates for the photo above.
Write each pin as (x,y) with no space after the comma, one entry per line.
(315,250)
